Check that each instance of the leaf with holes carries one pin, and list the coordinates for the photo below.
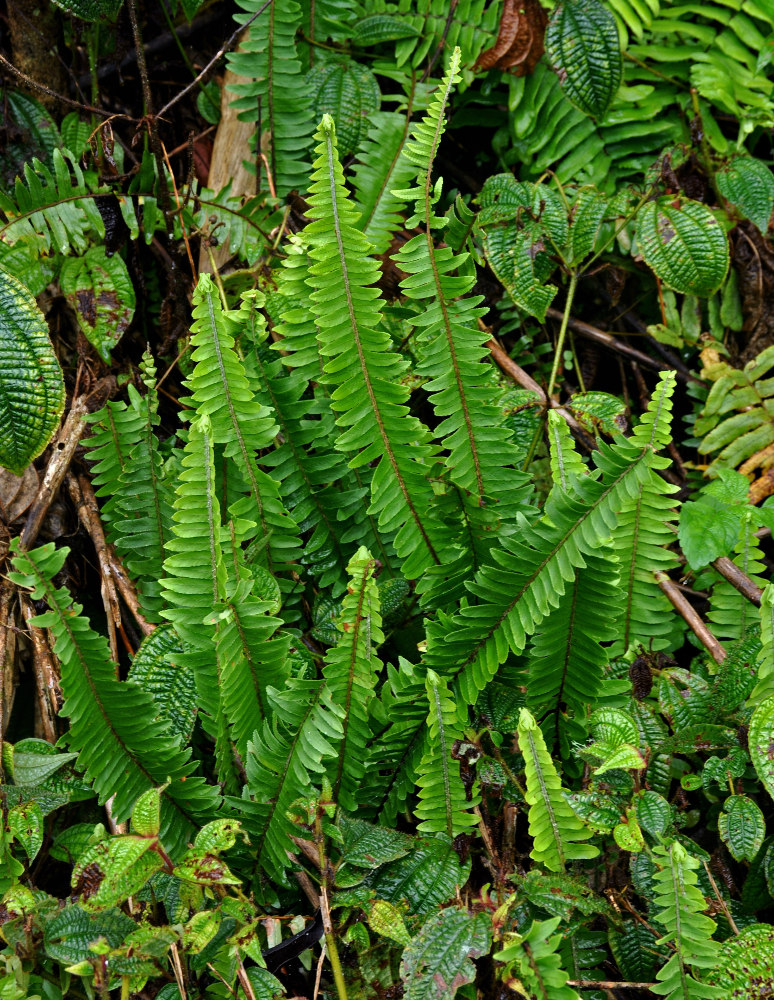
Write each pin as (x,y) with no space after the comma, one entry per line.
(100,291)
(31,385)
(583,48)
(684,244)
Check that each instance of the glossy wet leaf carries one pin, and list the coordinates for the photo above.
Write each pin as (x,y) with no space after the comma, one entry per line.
(745,964)
(584,49)
(742,827)
(748,185)
(111,870)
(684,244)
(25,822)
(31,385)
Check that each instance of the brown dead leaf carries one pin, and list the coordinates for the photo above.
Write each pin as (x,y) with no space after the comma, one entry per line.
(760,460)
(17,493)
(519,43)
(762,487)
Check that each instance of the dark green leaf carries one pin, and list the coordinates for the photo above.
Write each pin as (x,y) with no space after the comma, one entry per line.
(583,47)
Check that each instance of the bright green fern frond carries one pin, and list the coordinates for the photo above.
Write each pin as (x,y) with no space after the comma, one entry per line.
(765,685)
(350,671)
(283,760)
(641,540)
(115,430)
(369,395)
(251,658)
(220,389)
(566,661)
(533,962)
(443,805)
(450,345)
(194,572)
(530,573)
(144,499)
(124,750)
(47,210)
(731,613)
(379,171)
(556,831)
(681,907)
(566,464)
(276,94)
(290,304)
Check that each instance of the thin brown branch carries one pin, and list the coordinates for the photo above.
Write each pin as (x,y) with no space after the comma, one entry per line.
(46,678)
(727,568)
(608,984)
(88,515)
(215,59)
(61,455)
(593,333)
(691,618)
(7,649)
(34,85)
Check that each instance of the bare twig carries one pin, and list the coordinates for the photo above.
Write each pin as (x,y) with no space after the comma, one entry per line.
(727,568)
(46,679)
(88,515)
(721,902)
(34,85)
(692,619)
(593,333)
(607,984)
(7,648)
(61,456)
(210,65)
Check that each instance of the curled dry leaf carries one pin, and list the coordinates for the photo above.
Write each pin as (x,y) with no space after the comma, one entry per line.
(17,493)
(519,43)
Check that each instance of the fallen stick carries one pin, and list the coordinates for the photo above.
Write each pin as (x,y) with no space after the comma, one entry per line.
(46,679)
(61,456)
(727,568)
(692,619)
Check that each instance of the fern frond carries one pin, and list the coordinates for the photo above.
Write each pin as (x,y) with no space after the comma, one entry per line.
(556,831)
(350,671)
(144,499)
(115,430)
(533,962)
(283,760)
(276,95)
(681,908)
(309,471)
(730,612)
(396,752)
(765,685)
(534,568)
(194,571)
(566,661)
(369,395)
(124,750)
(220,389)
(51,211)
(462,388)
(290,304)
(443,806)
(379,171)
(566,464)
(251,658)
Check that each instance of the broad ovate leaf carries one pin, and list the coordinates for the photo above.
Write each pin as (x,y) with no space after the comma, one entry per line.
(742,827)
(583,47)
(101,293)
(684,244)
(31,385)
(748,185)
(439,959)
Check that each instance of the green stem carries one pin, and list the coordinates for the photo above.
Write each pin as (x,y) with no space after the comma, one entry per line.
(562,333)
(330,937)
